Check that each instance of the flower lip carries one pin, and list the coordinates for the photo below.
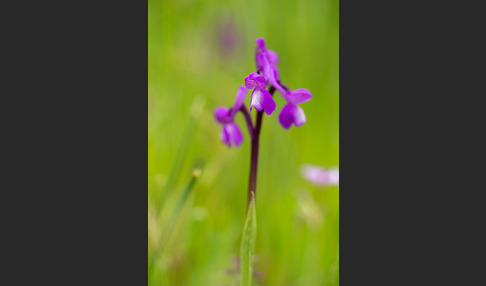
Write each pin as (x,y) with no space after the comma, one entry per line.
(261,99)
(291,114)
(231,133)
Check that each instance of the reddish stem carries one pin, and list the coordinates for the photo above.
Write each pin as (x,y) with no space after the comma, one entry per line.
(249,122)
(255,144)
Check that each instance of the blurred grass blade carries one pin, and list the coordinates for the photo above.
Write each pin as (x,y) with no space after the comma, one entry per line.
(248,245)
(178,162)
(149,268)
(187,191)
(178,208)
(197,108)
(172,222)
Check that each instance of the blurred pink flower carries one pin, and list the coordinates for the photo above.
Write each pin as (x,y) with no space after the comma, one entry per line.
(320,176)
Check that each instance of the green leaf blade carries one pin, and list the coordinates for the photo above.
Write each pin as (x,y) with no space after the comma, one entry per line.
(247,248)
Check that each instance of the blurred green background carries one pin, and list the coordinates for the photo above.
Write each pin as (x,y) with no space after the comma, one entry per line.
(199,52)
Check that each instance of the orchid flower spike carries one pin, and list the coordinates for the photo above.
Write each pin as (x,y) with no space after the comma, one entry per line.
(260,97)
(292,113)
(231,133)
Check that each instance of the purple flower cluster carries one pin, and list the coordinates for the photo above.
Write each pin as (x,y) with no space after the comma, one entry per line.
(261,99)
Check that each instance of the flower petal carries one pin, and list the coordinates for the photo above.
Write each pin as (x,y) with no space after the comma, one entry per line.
(286,116)
(259,60)
(278,85)
(282,90)
(231,134)
(222,115)
(299,116)
(315,174)
(240,98)
(256,100)
(254,80)
(333,176)
(320,176)
(261,44)
(262,100)
(291,114)
(272,57)
(236,134)
(224,136)
(263,65)
(268,104)
(299,96)
(270,72)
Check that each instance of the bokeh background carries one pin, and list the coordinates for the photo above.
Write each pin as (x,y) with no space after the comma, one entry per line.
(199,52)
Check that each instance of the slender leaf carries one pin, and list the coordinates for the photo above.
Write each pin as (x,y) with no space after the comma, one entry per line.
(248,245)
(178,208)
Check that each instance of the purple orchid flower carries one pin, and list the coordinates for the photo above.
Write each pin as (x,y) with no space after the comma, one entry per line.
(261,99)
(266,62)
(265,59)
(320,176)
(292,113)
(231,133)
(267,74)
